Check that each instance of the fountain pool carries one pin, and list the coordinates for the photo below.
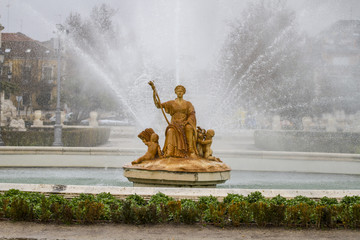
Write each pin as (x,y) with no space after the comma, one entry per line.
(239,179)
(250,169)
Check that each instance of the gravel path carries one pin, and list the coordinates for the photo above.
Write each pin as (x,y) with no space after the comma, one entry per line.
(31,231)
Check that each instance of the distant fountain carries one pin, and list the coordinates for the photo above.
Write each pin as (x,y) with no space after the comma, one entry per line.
(127,75)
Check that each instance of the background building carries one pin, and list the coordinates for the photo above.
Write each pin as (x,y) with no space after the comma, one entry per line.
(33,67)
(336,53)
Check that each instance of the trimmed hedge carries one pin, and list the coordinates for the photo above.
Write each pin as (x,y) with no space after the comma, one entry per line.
(304,141)
(235,210)
(81,137)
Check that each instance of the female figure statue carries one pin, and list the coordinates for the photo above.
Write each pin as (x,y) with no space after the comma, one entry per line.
(180,135)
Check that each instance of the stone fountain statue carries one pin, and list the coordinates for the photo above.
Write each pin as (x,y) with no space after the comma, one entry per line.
(186,158)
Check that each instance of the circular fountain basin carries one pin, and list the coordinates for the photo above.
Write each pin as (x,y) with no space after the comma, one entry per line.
(156,178)
(250,169)
(177,172)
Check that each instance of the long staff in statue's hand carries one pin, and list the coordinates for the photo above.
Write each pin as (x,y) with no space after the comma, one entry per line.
(151,83)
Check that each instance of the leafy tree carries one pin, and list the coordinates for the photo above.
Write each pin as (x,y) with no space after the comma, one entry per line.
(262,62)
(88,40)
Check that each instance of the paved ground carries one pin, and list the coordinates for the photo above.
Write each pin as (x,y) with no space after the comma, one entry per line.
(30,231)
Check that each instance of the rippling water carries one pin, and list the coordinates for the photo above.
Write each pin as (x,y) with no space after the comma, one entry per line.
(239,179)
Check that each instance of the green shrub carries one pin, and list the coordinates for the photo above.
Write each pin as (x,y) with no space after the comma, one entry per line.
(189,211)
(116,214)
(299,214)
(307,141)
(328,201)
(356,215)
(216,214)
(260,212)
(84,137)
(21,210)
(278,200)
(67,214)
(208,200)
(301,199)
(174,211)
(160,198)
(42,211)
(350,200)
(12,192)
(240,213)
(127,212)
(107,200)
(88,211)
(276,213)
(86,208)
(5,207)
(146,214)
(233,198)
(136,200)
(254,197)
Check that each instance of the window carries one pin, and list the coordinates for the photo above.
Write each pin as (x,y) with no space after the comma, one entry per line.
(47,74)
(27,74)
(4,72)
(26,99)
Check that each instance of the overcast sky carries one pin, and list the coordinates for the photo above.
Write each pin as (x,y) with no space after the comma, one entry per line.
(196,27)
(37,18)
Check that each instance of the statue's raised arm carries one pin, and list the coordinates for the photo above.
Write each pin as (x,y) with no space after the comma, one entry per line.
(155,96)
(157,100)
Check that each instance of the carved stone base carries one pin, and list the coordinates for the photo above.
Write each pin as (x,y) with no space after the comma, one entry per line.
(151,178)
(177,172)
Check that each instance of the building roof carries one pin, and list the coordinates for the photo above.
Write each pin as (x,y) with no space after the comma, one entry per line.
(18,45)
(345,26)
(15,37)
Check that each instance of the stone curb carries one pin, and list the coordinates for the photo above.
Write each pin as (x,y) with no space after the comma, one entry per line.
(70,191)
(15,150)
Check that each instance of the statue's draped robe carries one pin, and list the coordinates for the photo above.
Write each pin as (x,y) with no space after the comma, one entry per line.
(181,114)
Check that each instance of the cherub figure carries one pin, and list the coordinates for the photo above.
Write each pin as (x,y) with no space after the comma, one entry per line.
(153,151)
(199,141)
(206,146)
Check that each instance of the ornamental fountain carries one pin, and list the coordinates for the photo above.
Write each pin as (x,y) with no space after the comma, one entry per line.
(186,159)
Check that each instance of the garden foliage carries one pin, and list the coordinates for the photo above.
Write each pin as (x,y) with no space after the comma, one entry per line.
(84,137)
(235,210)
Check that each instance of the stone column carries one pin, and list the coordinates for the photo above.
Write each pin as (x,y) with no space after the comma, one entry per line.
(306,122)
(276,124)
(331,125)
(93,119)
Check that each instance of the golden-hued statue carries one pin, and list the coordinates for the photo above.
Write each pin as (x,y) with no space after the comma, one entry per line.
(187,147)
(180,134)
(186,159)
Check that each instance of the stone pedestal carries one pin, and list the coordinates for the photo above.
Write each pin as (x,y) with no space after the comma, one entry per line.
(306,122)
(153,178)
(8,110)
(93,119)
(37,121)
(19,125)
(276,123)
(177,172)
(62,117)
(331,125)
